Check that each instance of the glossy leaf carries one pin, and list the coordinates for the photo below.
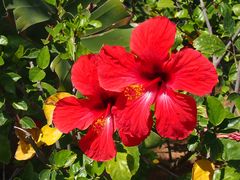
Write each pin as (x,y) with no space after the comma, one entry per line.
(3,119)
(133,159)
(153,140)
(215,110)
(236,9)
(27,123)
(45,174)
(165,4)
(118,168)
(228,23)
(36,74)
(28,13)
(52,2)
(3,40)
(230,149)
(227,173)
(119,37)
(109,13)
(21,105)
(209,45)
(203,169)
(63,158)
(43,58)
(15,77)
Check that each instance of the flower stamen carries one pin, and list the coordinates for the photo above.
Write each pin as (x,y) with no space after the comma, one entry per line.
(98,124)
(133,91)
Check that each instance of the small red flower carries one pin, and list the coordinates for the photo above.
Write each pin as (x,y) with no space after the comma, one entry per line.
(93,113)
(151,75)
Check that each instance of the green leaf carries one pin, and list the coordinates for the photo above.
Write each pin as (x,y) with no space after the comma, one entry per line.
(227,173)
(2,102)
(230,149)
(165,4)
(236,9)
(21,105)
(52,2)
(133,158)
(36,74)
(63,158)
(50,89)
(228,23)
(215,110)
(43,58)
(95,168)
(45,174)
(27,123)
(20,52)
(111,12)
(1,61)
(118,168)
(198,16)
(77,171)
(28,13)
(15,77)
(61,67)
(209,45)
(237,43)
(153,140)
(3,120)
(3,40)
(114,37)
(5,151)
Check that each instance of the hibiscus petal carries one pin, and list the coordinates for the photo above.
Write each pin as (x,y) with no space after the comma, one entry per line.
(71,113)
(84,75)
(152,39)
(134,119)
(98,143)
(117,69)
(175,114)
(189,70)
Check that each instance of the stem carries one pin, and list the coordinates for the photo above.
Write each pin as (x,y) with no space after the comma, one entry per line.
(215,63)
(204,11)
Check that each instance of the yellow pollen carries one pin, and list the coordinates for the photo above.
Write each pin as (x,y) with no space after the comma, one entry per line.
(98,124)
(133,91)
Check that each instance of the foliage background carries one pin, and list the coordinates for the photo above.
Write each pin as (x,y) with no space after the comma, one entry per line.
(39,42)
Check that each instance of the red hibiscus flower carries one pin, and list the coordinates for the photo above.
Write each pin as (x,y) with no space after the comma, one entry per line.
(151,75)
(93,113)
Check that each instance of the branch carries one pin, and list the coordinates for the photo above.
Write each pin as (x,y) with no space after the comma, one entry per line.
(206,17)
(217,61)
(204,11)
